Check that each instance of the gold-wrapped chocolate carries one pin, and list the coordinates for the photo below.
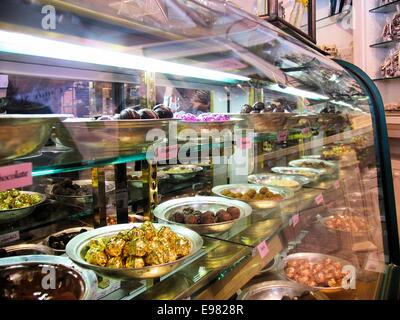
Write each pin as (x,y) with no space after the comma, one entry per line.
(96,256)
(134,262)
(149,231)
(136,233)
(115,262)
(182,247)
(136,247)
(115,246)
(167,234)
(155,257)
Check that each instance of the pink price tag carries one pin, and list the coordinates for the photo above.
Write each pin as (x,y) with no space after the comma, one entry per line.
(305,131)
(336,184)
(319,200)
(164,153)
(282,136)
(15,176)
(262,249)
(245,143)
(295,220)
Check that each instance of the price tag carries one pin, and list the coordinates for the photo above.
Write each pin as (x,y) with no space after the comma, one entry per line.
(295,220)
(165,153)
(263,249)
(9,237)
(15,176)
(336,185)
(319,200)
(245,143)
(305,131)
(282,136)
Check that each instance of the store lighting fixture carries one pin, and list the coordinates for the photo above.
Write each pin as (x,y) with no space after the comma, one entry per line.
(19,43)
(298,92)
(341,103)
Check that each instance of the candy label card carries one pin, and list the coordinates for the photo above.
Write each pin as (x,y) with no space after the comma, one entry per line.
(15,176)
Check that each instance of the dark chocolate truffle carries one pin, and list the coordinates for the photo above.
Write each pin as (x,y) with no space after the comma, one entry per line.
(224,217)
(147,114)
(246,108)
(259,106)
(178,217)
(190,219)
(234,212)
(129,113)
(207,217)
(163,112)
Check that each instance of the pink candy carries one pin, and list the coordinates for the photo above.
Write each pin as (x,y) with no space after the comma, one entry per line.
(205,117)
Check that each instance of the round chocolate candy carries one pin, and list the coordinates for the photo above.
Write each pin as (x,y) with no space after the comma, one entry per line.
(129,113)
(246,109)
(234,212)
(259,106)
(190,219)
(163,112)
(178,217)
(147,114)
(224,217)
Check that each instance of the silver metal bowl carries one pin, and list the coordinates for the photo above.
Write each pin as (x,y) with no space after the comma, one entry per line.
(110,138)
(314,257)
(266,179)
(78,245)
(330,167)
(195,169)
(312,174)
(27,249)
(84,199)
(255,204)
(67,231)
(276,290)
(21,135)
(82,282)
(164,211)
(17,214)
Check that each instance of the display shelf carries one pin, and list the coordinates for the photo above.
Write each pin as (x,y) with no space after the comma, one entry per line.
(386,8)
(385,44)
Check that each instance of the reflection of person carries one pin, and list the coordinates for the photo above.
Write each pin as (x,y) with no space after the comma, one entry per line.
(200,103)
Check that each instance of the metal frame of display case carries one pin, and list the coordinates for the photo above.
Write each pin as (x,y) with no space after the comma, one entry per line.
(272,16)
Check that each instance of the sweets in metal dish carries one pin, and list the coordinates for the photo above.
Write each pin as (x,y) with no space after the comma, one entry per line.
(138,247)
(252,194)
(347,223)
(15,199)
(190,215)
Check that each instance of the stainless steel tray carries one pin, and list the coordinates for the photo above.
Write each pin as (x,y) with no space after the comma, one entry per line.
(331,167)
(164,211)
(276,290)
(70,230)
(312,257)
(89,278)
(28,249)
(22,135)
(109,137)
(313,174)
(265,179)
(183,176)
(255,204)
(17,214)
(78,244)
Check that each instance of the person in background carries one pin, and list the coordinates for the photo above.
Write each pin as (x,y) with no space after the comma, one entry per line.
(199,103)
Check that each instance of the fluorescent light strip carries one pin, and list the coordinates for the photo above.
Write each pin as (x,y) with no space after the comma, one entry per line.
(298,92)
(34,46)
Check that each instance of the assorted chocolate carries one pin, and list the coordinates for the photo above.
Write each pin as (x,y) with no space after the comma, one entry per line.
(15,199)
(190,215)
(68,188)
(261,107)
(60,241)
(390,68)
(138,247)
(159,112)
(252,194)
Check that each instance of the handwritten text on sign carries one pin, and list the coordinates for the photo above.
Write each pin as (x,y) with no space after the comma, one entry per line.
(15,176)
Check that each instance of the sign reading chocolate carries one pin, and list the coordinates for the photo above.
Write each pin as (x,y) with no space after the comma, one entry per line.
(15,176)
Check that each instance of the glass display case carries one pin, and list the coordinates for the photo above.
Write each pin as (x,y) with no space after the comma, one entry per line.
(256,158)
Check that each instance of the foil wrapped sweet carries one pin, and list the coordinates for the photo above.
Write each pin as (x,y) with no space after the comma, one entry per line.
(138,247)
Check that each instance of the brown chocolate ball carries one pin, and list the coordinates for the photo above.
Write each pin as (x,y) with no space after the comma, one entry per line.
(246,109)
(129,114)
(188,210)
(163,112)
(178,217)
(207,217)
(259,106)
(219,212)
(190,219)
(224,217)
(234,212)
(147,114)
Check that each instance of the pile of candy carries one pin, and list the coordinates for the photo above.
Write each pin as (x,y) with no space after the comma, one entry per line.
(204,117)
